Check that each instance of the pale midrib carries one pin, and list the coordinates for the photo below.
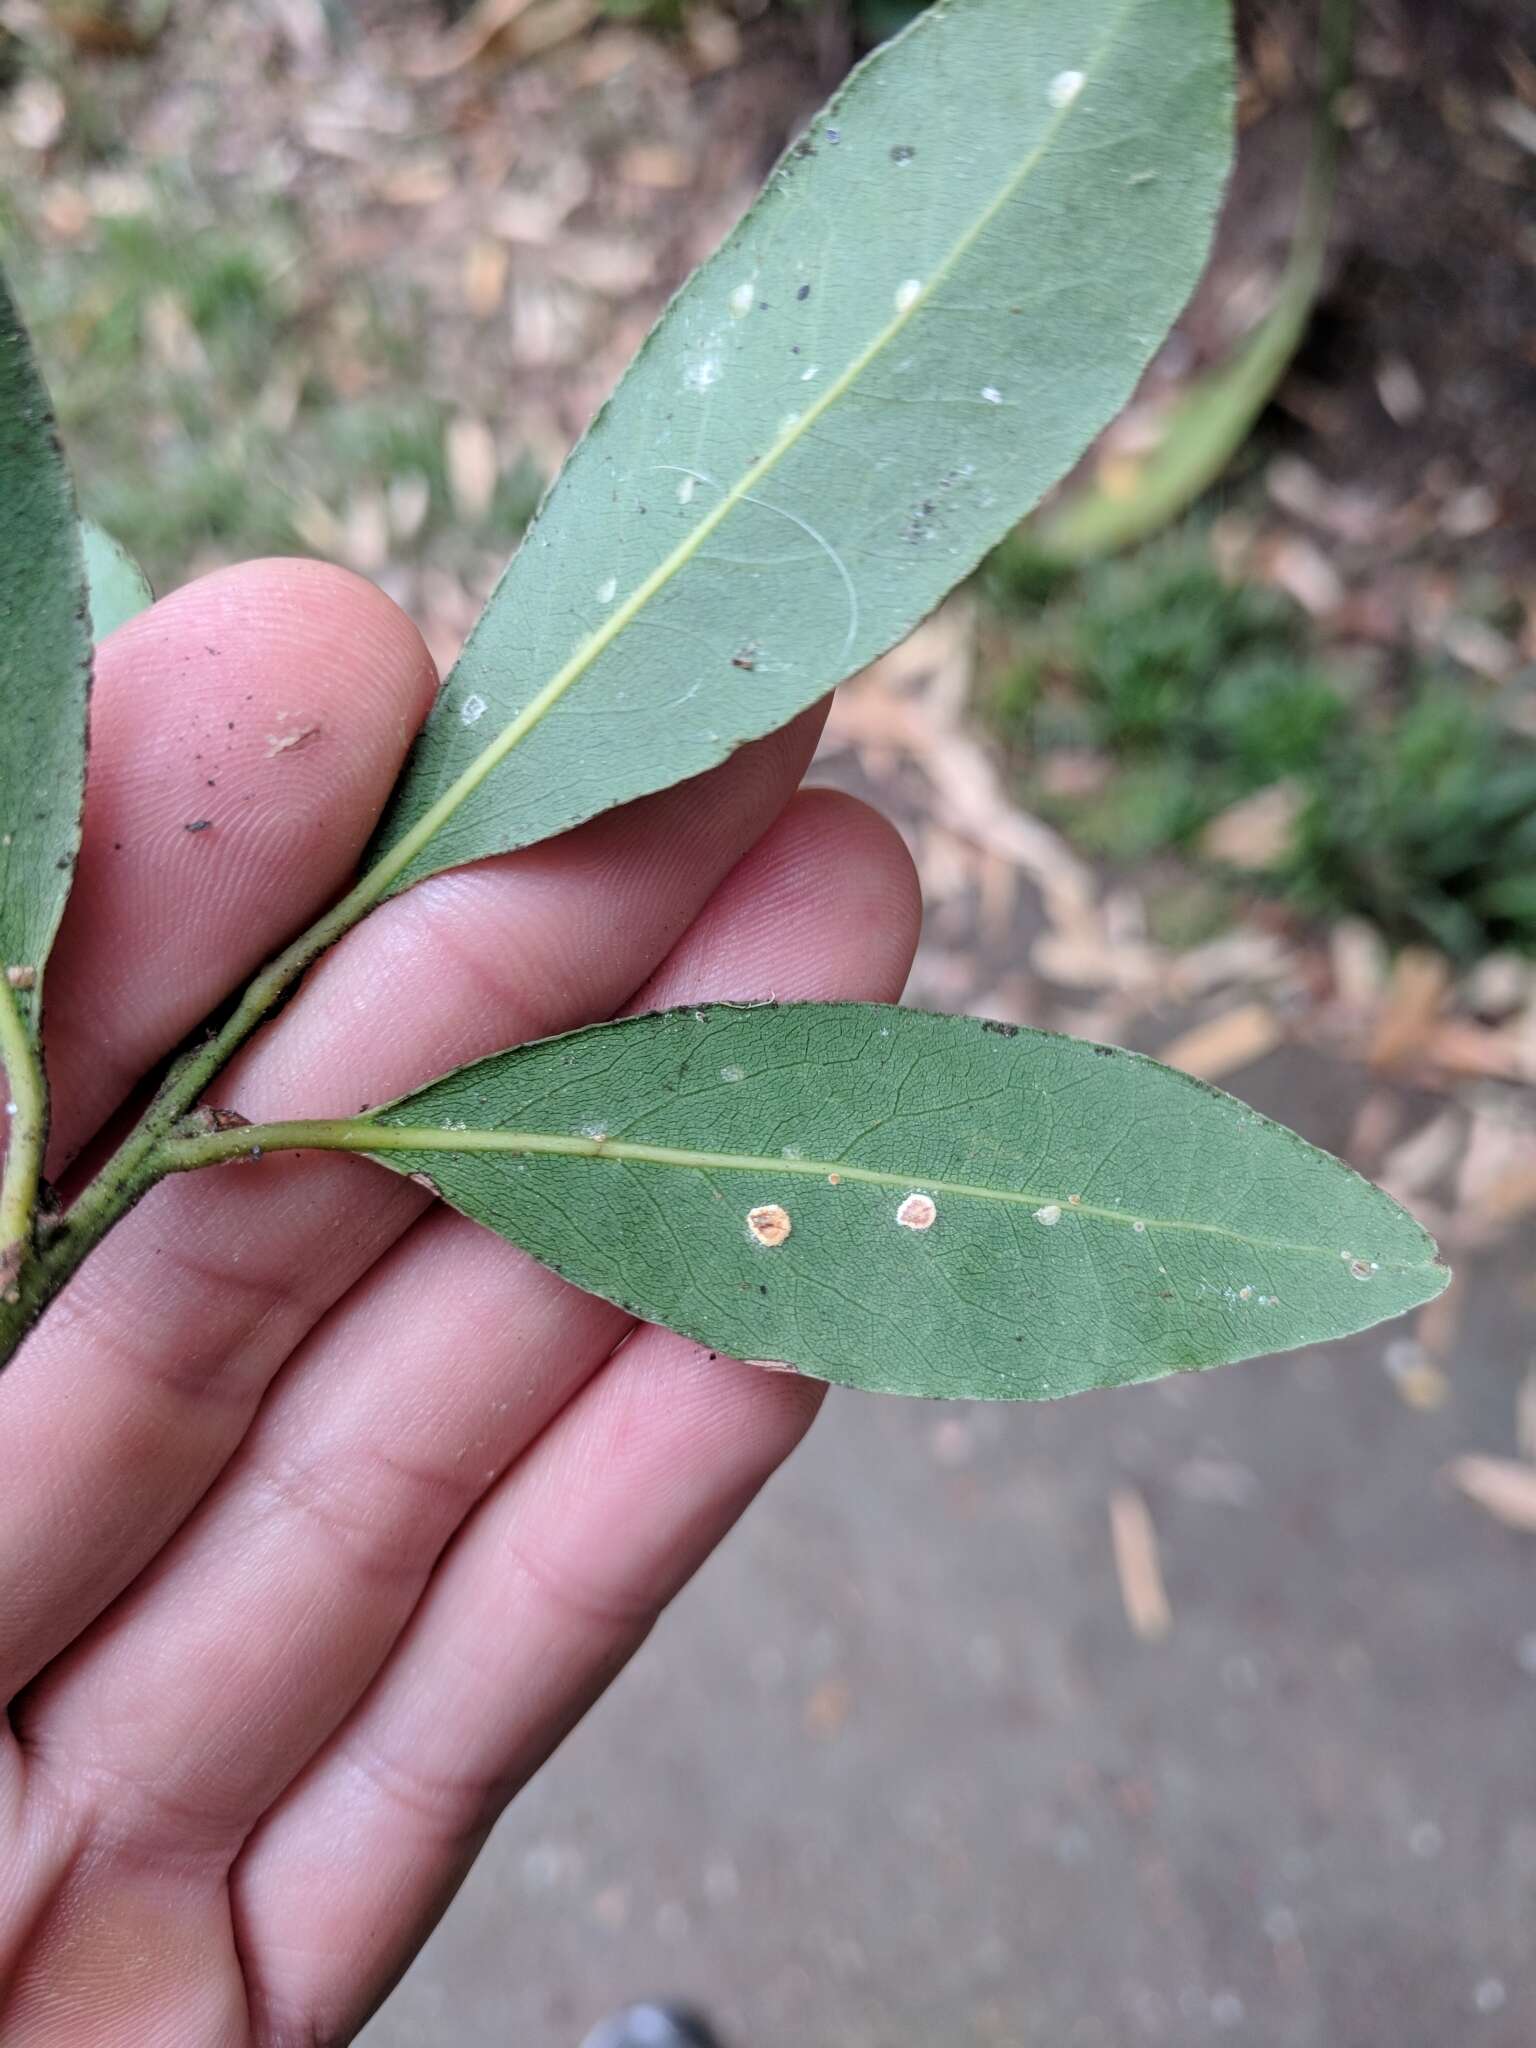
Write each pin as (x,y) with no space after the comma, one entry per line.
(400,856)
(364,1136)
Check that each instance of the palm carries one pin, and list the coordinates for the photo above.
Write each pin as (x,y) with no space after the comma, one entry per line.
(324,1513)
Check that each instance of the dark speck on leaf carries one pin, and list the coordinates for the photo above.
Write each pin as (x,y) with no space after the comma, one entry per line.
(1001,1030)
(746,659)
(761,1288)
(805,147)
(1107,1052)
(197,825)
(804,293)
(902,153)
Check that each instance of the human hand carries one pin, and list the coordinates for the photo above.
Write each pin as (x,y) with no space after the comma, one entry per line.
(325,1513)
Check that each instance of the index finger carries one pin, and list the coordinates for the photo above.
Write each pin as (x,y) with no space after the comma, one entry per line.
(245,733)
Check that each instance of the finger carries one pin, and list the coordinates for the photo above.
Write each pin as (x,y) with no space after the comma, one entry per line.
(130,1396)
(559,1572)
(386,1428)
(245,733)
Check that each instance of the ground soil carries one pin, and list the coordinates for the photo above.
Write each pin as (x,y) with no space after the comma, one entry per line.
(1434,253)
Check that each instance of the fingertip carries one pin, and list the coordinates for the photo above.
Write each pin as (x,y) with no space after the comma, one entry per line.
(826,907)
(292,605)
(245,734)
(841,847)
(685,1436)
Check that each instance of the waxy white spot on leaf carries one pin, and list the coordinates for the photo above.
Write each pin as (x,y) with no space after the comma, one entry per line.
(1065,87)
(1050,1214)
(769,1224)
(608,590)
(917,1212)
(991,394)
(703,374)
(685,491)
(472,710)
(908,293)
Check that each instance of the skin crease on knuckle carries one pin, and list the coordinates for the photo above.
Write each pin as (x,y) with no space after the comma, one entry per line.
(118,1935)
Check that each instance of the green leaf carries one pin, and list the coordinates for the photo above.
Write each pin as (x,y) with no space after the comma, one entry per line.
(1203,430)
(119,589)
(45,668)
(1096,1218)
(950,284)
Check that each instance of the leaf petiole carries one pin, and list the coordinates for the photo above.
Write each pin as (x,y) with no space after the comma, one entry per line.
(141,1159)
(27,1125)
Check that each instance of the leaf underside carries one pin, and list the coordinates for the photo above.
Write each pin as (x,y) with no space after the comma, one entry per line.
(119,589)
(949,286)
(1083,1217)
(45,667)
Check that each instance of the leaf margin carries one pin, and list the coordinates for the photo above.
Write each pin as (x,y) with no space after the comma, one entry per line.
(418,1163)
(29,435)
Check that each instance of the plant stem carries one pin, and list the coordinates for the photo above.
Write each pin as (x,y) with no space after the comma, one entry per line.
(141,1159)
(27,1112)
